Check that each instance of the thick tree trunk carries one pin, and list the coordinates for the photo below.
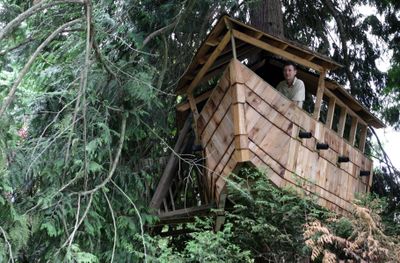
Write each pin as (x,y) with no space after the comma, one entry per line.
(267,16)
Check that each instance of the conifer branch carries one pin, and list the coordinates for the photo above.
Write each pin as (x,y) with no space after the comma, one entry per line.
(11,94)
(31,11)
(139,216)
(115,162)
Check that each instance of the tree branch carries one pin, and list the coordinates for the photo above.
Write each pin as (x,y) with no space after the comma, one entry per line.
(343,40)
(11,94)
(114,224)
(158,32)
(139,216)
(115,162)
(387,161)
(84,80)
(8,244)
(31,11)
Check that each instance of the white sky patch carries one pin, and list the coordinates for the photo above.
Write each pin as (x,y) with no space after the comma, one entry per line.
(391,143)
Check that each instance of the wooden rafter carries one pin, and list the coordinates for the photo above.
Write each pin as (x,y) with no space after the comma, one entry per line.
(214,55)
(287,55)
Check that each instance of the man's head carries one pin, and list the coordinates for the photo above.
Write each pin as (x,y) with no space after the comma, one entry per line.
(289,71)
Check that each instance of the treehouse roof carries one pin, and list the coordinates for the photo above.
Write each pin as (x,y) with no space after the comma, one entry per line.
(216,52)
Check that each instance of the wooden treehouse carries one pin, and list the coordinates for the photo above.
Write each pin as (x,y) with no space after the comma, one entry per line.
(317,149)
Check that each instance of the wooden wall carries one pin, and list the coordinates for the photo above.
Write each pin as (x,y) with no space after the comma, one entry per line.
(264,131)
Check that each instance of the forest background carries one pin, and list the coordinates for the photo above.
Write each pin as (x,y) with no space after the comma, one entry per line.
(87,98)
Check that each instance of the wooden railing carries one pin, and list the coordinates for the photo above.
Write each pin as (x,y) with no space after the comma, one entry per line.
(357,122)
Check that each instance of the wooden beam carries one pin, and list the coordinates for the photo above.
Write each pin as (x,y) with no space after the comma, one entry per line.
(331,111)
(229,26)
(184,106)
(213,42)
(278,51)
(242,153)
(233,47)
(353,130)
(193,106)
(310,57)
(187,212)
(342,121)
(363,138)
(283,46)
(370,177)
(209,62)
(172,198)
(320,95)
(170,169)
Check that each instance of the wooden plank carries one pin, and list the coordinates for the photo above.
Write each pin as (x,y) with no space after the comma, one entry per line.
(293,149)
(288,178)
(218,170)
(222,112)
(220,141)
(320,94)
(209,62)
(272,105)
(331,111)
(353,130)
(342,121)
(258,43)
(218,103)
(220,184)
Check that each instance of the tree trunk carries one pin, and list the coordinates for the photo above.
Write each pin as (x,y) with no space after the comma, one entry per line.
(267,16)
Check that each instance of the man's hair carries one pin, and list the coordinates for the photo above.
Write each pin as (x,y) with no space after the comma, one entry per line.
(290,63)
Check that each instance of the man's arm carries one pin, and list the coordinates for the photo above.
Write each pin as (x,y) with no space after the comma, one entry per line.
(300,94)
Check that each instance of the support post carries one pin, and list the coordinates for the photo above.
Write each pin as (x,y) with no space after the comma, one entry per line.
(320,95)
(331,111)
(233,46)
(241,139)
(363,137)
(342,121)
(352,138)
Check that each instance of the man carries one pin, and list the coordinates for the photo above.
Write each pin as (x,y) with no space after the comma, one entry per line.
(292,87)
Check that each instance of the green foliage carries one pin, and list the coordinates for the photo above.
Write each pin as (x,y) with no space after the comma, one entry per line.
(268,221)
(392,95)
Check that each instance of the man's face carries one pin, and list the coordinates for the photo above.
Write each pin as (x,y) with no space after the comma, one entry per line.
(289,72)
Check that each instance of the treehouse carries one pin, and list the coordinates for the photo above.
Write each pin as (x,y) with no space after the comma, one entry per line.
(233,115)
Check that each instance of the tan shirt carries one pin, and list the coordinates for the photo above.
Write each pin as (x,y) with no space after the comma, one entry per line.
(296,92)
